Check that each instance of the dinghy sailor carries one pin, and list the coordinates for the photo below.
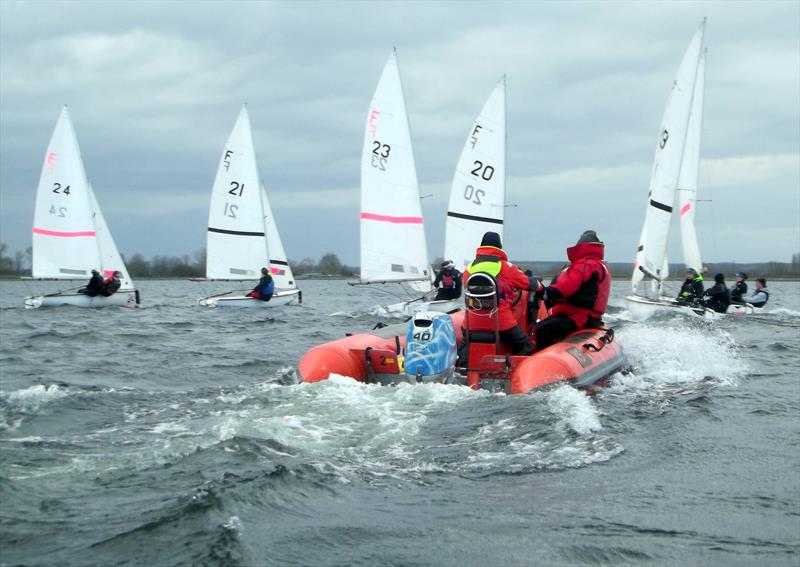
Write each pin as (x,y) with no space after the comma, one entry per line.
(265,287)
(760,295)
(579,294)
(111,284)
(719,297)
(450,281)
(740,288)
(95,285)
(692,288)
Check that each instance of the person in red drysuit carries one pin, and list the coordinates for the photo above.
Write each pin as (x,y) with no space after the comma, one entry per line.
(578,295)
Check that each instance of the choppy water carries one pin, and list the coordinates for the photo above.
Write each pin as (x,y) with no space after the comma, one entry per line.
(175,435)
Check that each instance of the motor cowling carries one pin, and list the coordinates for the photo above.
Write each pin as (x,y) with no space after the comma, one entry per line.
(430,347)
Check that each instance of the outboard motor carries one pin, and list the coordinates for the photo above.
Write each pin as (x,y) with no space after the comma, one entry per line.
(430,347)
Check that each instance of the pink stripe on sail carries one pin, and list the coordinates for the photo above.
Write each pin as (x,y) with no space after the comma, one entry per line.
(685,208)
(391,219)
(63,234)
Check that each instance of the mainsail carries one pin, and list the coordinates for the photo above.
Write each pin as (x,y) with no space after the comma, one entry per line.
(690,173)
(70,235)
(237,243)
(666,168)
(478,193)
(392,232)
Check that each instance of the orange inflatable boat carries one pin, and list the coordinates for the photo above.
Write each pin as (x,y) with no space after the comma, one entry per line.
(585,358)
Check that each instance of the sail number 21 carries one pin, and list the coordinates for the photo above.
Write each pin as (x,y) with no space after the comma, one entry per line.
(236,190)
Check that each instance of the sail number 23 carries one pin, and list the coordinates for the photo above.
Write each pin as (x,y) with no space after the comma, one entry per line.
(380,153)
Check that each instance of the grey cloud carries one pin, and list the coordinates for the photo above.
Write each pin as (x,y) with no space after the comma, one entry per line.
(154,89)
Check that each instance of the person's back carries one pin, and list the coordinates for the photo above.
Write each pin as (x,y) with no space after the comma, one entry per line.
(448,280)
(760,295)
(739,290)
(719,298)
(491,260)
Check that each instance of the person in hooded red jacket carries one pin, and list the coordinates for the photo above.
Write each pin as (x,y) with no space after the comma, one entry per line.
(490,259)
(578,295)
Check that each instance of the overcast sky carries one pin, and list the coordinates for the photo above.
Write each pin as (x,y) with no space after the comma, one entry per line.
(155,87)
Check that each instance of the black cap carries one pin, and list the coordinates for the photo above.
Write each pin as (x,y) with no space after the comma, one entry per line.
(741,275)
(719,278)
(492,239)
(588,236)
(691,271)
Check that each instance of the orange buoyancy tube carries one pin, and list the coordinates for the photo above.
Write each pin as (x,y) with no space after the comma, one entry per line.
(344,356)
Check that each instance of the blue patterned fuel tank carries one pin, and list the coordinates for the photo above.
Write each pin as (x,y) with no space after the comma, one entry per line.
(430,347)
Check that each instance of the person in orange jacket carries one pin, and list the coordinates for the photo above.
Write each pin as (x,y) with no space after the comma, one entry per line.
(490,259)
(578,295)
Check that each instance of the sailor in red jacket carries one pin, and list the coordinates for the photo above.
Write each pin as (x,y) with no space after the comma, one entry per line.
(579,294)
(490,259)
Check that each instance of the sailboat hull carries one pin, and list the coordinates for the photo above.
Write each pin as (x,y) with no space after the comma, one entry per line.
(279,299)
(123,298)
(642,308)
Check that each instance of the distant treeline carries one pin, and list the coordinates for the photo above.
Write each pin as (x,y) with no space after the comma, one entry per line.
(329,265)
(185,266)
(624,270)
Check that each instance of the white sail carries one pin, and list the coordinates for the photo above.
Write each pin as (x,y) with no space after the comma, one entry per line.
(64,231)
(690,173)
(110,260)
(278,262)
(237,244)
(478,194)
(667,167)
(392,232)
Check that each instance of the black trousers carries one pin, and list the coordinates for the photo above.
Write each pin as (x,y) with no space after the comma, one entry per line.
(551,330)
(447,293)
(514,337)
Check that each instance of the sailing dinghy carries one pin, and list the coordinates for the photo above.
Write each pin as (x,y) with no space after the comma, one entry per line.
(393,248)
(675,172)
(242,234)
(478,193)
(70,234)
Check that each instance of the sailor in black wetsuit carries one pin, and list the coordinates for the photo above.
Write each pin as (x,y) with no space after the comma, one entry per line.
(740,288)
(719,298)
(692,288)
(95,285)
(450,281)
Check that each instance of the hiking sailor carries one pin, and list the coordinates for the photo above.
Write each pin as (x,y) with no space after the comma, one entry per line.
(450,281)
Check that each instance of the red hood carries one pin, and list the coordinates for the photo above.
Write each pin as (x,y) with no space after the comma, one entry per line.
(586,250)
(491,251)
